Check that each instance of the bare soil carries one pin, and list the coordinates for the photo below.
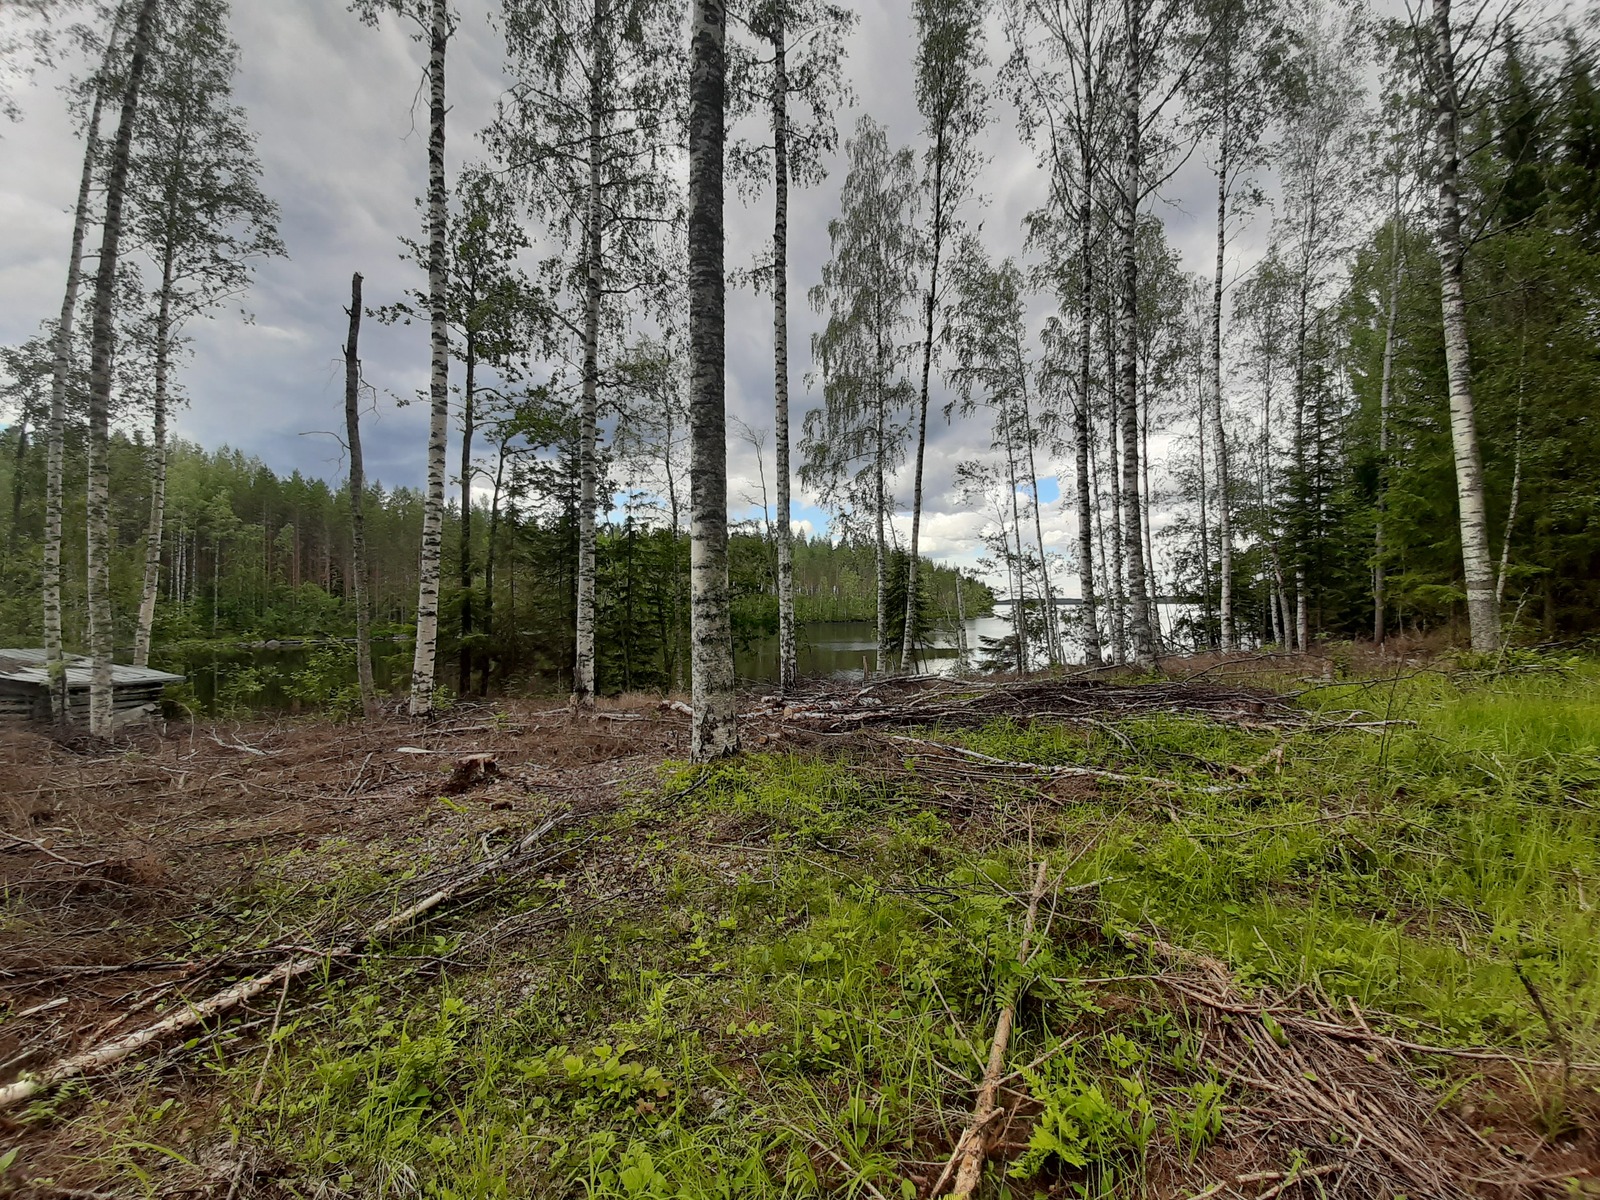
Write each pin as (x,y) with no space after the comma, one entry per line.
(132,878)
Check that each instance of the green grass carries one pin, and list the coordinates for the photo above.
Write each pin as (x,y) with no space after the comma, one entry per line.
(799,999)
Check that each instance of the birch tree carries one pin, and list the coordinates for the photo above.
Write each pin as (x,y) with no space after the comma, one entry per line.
(55,661)
(1319,141)
(199,214)
(806,41)
(496,317)
(1237,84)
(1146,28)
(1061,55)
(583,126)
(713,731)
(1483,607)
(952,102)
(102,336)
(989,334)
(432,23)
(856,440)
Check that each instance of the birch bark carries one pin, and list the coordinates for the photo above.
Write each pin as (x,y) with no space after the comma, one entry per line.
(1141,639)
(425,658)
(55,661)
(583,664)
(1219,437)
(788,668)
(158,467)
(713,729)
(1080,429)
(100,368)
(1385,388)
(1483,609)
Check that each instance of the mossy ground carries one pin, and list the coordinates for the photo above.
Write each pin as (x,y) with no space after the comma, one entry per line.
(780,978)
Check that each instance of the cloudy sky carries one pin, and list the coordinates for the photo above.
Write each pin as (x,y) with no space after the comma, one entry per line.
(344,153)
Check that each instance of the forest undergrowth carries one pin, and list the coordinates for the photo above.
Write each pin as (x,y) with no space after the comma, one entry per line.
(1290,936)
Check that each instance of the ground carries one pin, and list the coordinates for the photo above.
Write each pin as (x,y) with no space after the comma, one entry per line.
(1253,929)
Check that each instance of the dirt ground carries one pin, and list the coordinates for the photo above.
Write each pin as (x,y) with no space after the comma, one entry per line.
(118,864)
(126,871)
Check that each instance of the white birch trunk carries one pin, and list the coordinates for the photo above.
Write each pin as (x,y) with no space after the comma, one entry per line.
(1385,388)
(425,658)
(1080,431)
(1119,593)
(1052,638)
(1142,642)
(55,455)
(714,726)
(584,653)
(1219,437)
(788,665)
(101,630)
(358,528)
(158,466)
(1483,609)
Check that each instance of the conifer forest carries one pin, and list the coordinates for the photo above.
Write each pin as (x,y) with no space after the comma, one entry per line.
(686,599)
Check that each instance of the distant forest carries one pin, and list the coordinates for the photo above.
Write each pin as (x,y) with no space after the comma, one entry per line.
(251,556)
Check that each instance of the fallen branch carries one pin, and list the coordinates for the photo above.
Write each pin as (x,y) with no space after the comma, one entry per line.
(107,1054)
(972,1148)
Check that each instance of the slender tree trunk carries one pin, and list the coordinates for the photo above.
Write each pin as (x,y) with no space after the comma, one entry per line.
(1119,610)
(714,726)
(1219,437)
(428,570)
(1483,610)
(929,304)
(1299,491)
(489,562)
(102,341)
(1139,631)
(158,468)
(1019,607)
(1385,388)
(961,628)
(1080,437)
(880,506)
(1516,475)
(1205,528)
(468,419)
(1052,641)
(25,422)
(55,451)
(583,667)
(358,528)
(788,666)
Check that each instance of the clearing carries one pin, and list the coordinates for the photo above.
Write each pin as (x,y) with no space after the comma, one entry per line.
(1253,932)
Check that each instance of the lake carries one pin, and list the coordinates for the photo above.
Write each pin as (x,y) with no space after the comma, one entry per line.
(289,677)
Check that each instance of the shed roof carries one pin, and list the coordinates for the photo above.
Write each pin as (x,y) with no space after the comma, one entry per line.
(29,666)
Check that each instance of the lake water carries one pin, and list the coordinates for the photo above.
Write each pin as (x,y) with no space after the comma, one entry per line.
(844,649)
(288,677)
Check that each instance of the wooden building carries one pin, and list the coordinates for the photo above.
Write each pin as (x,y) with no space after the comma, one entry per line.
(25,688)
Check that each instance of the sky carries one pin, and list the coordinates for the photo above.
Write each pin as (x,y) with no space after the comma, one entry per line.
(343,143)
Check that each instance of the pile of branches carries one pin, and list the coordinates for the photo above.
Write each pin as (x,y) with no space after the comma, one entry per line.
(1332,1100)
(938,701)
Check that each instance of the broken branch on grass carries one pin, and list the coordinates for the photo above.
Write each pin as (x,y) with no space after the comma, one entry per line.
(107,1054)
(972,1148)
